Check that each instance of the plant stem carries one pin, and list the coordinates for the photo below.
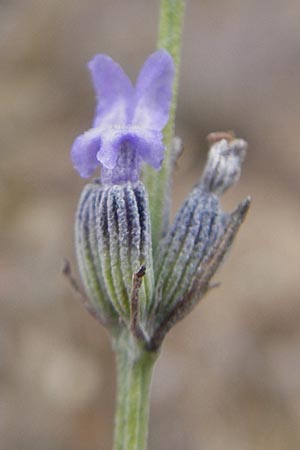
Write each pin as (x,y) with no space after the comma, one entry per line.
(134,373)
(159,183)
(134,364)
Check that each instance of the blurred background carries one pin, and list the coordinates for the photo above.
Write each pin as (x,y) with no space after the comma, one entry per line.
(229,375)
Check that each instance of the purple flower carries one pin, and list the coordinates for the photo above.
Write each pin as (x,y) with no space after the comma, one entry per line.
(128,123)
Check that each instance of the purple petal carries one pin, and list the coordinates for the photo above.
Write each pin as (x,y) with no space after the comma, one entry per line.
(84,151)
(147,144)
(111,143)
(150,147)
(127,167)
(114,91)
(154,91)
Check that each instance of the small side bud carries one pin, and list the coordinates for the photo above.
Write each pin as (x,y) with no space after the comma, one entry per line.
(199,239)
(223,167)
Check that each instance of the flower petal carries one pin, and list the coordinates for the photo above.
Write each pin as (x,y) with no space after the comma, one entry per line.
(114,91)
(150,147)
(154,91)
(111,143)
(147,144)
(127,162)
(84,151)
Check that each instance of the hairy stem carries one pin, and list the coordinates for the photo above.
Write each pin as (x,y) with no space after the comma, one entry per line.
(158,183)
(134,373)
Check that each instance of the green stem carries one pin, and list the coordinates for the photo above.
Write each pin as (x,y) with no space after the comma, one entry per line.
(134,373)
(158,183)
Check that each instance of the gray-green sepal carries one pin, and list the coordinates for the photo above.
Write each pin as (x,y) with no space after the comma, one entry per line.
(201,281)
(124,240)
(113,240)
(196,228)
(88,255)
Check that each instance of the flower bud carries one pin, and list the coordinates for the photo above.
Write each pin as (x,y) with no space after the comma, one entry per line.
(198,240)
(223,167)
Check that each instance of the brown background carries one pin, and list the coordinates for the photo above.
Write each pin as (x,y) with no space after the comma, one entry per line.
(229,375)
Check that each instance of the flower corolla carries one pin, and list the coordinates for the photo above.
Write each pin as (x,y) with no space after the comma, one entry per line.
(128,123)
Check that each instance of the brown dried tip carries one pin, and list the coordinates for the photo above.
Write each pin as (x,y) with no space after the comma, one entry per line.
(141,272)
(216,136)
(134,305)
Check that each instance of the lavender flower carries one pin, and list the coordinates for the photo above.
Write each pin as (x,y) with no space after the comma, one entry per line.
(139,284)
(128,123)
